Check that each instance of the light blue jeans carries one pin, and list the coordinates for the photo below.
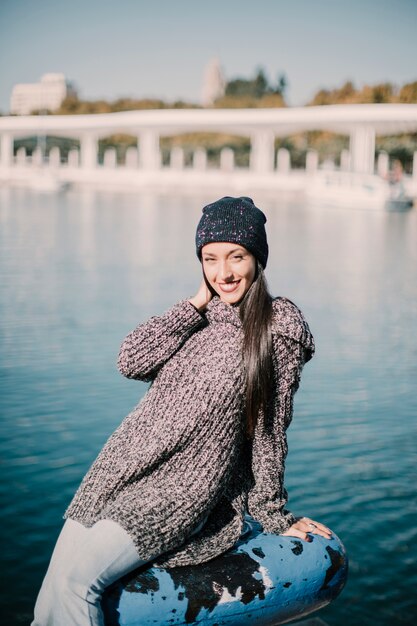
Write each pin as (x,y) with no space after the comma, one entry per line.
(84,562)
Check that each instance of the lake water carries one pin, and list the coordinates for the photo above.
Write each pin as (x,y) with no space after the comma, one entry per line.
(79,271)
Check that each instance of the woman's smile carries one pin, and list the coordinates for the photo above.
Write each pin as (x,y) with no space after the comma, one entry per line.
(229,286)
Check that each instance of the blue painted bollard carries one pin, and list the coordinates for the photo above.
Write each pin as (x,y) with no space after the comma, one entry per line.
(264,579)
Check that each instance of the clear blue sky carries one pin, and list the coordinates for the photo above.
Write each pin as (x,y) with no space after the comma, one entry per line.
(159,48)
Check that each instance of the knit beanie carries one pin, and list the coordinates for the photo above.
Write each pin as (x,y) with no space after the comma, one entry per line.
(235,220)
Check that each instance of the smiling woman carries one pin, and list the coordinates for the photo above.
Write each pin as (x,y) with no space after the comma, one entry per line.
(206,444)
(230,270)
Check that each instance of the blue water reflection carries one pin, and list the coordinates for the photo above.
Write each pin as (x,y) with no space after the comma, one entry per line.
(79,271)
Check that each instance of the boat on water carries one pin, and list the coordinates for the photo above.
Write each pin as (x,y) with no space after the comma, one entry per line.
(398,199)
(355,190)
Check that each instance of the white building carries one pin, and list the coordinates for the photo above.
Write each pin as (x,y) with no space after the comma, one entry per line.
(213,83)
(48,94)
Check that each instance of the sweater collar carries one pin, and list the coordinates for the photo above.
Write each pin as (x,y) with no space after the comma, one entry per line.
(219,311)
(287,320)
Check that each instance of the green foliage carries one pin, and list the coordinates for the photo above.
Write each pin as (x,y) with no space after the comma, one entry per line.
(255,88)
(369,94)
(73,106)
(256,92)
(408,93)
(249,102)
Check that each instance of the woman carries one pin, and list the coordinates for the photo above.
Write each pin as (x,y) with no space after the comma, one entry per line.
(207,441)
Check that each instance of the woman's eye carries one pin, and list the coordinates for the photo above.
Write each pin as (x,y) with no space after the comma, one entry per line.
(238,256)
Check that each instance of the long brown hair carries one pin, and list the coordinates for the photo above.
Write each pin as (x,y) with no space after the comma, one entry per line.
(256,314)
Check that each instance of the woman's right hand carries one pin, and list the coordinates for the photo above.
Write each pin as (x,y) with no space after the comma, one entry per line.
(304,525)
(202,297)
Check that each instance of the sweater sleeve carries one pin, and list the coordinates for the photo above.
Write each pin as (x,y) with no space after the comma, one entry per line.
(152,343)
(267,498)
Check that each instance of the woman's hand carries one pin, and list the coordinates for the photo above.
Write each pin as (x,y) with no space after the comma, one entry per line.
(305,525)
(202,297)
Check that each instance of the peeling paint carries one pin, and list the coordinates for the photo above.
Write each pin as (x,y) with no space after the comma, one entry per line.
(259,552)
(266,578)
(233,588)
(336,562)
(206,585)
(298,547)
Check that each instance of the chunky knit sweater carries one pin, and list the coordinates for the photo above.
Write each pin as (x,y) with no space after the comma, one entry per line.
(180,460)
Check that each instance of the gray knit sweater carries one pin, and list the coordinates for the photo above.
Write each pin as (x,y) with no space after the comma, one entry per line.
(181,457)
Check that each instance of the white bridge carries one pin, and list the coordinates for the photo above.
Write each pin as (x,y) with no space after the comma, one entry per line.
(143,163)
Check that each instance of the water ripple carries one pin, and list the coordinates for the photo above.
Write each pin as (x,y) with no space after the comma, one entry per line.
(72,287)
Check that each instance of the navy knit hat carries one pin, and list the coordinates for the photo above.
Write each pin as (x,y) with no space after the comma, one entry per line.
(236,220)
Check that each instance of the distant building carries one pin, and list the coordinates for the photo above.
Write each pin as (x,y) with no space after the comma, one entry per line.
(213,83)
(47,94)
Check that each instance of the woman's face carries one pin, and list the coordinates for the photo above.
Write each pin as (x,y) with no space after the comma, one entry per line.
(229,268)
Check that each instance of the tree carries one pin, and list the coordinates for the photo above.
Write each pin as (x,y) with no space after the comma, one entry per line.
(347,92)
(282,85)
(260,84)
(377,94)
(408,93)
(257,87)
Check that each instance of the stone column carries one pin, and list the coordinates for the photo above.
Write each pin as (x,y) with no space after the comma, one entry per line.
(149,152)
(6,150)
(54,157)
(200,159)
(21,156)
(312,161)
(227,160)
(177,158)
(37,157)
(362,149)
(262,151)
(382,164)
(73,158)
(283,161)
(110,158)
(89,151)
(345,160)
(131,158)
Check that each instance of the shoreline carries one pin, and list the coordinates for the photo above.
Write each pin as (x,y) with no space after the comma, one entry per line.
(332,187)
